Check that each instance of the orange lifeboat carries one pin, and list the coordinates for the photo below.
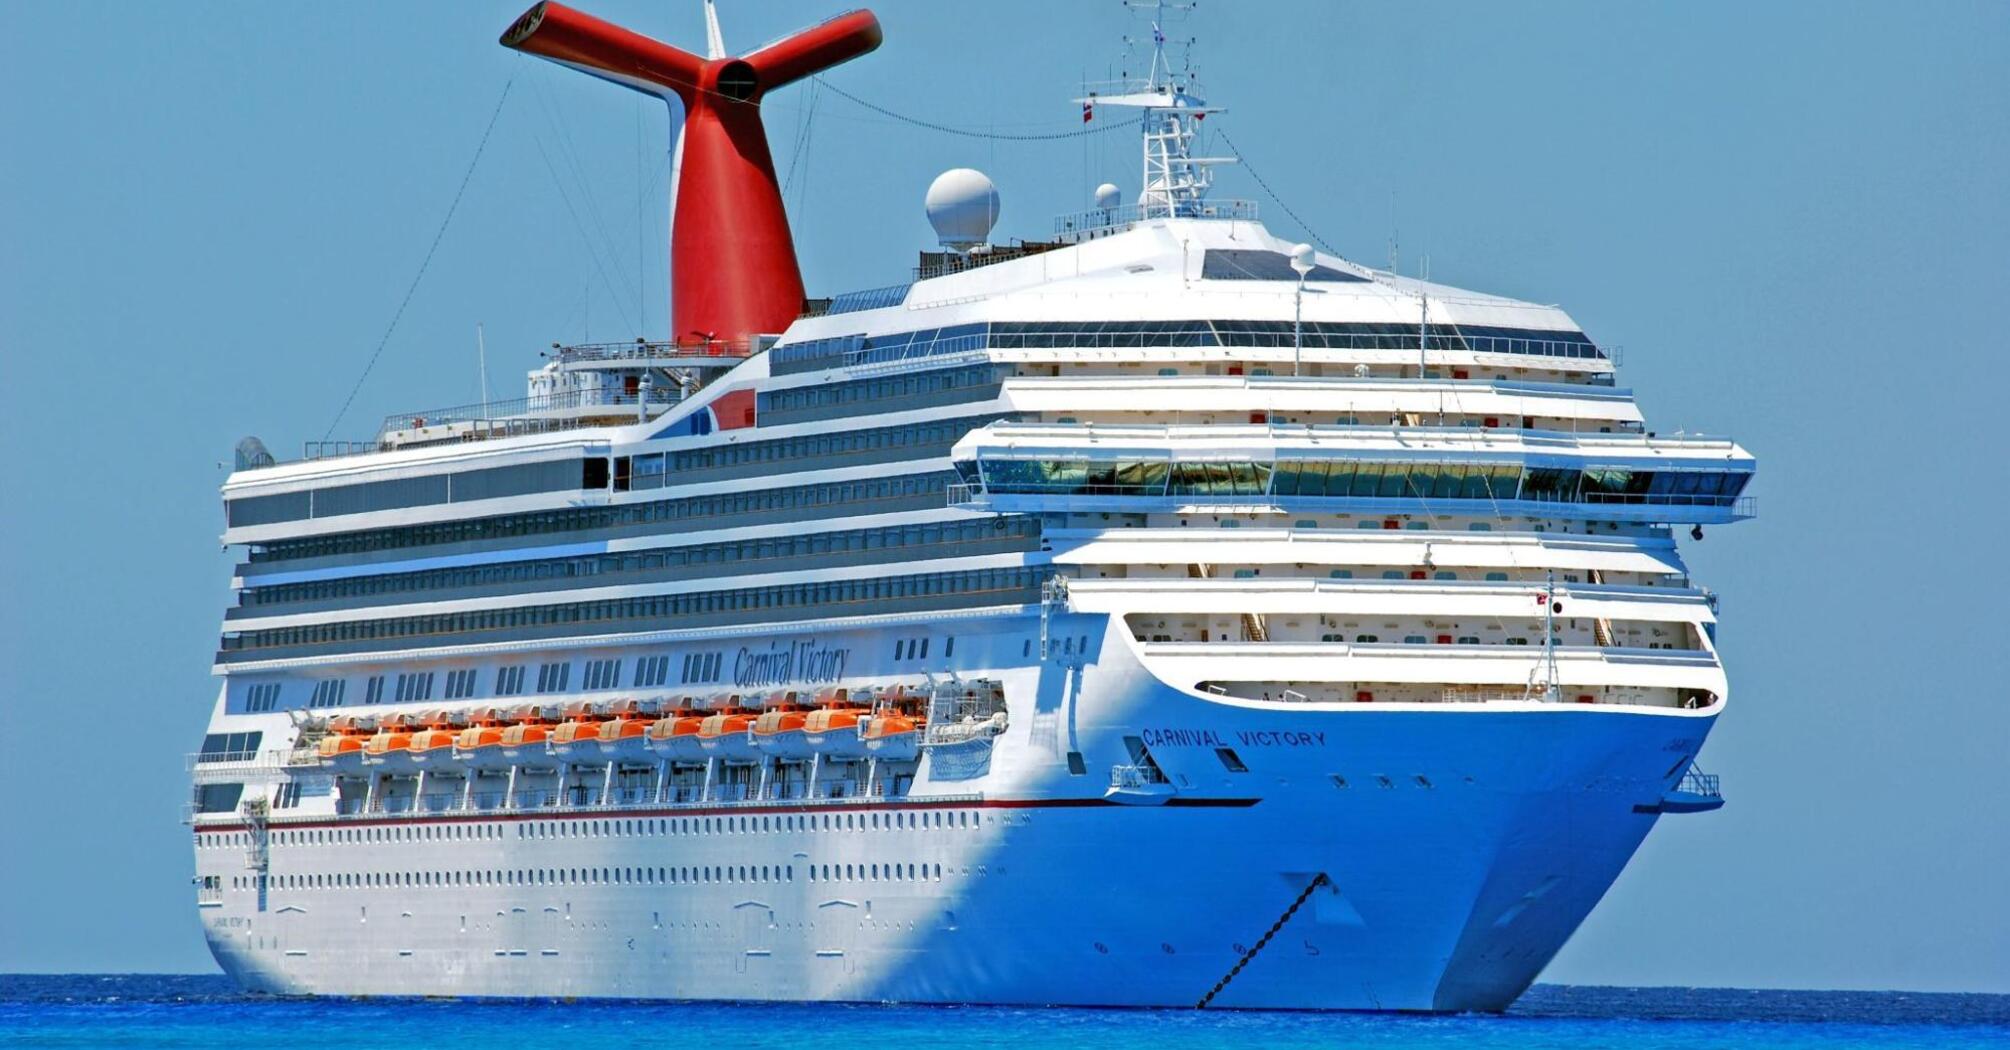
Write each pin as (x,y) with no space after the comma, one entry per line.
(779,730)
(524,741)
(434,744)
(625,736)
(579,735)
(477,745)
(675,735)
(390,746)
(723,733)
(832,729)
(894,730)
(342,748)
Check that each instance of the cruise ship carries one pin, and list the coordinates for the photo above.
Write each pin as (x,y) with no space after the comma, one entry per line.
(1157,612)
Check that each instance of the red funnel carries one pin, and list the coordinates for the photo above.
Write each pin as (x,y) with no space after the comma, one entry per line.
(732,263)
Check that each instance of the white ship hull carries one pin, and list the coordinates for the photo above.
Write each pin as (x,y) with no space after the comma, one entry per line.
(1467,844)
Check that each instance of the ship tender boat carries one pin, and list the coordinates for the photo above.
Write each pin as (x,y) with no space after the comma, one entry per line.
(833,731)
(578,737)
(624,737)
(523,742)
(342,748)
(815,652)
(388,749)
(778,732)
(726,735)
(433,745)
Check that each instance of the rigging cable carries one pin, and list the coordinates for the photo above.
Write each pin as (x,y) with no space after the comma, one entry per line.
(966,133)
(423,263)
(1272,194)
(589,206)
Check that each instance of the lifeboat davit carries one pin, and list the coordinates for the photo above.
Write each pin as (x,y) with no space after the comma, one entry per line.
(723,735)
(342,748)
(523,743)
(579,735)
(779,730)
(389,747)
(479,744)
(675,735)
(625,736)
(434,745)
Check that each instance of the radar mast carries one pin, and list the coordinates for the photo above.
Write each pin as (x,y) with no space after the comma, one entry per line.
(1175,181)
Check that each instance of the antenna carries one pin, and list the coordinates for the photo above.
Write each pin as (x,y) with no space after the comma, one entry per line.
(1423,330)
(1302,263)
(1175,181)
(482,358)
(715,43)
(1393,232)
(1549,608)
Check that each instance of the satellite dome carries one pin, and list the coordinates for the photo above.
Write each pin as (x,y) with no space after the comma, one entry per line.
(962,206)
(1107,196)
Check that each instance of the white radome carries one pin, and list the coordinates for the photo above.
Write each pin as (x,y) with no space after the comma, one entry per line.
(1108,196)
(962,205)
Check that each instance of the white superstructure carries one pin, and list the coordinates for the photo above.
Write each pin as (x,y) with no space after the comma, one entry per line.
(1127,618)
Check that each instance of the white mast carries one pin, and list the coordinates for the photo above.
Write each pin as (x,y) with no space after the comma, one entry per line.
(1175,181)
(715,42)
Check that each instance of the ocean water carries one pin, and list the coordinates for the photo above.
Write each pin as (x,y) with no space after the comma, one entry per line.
(207,1012)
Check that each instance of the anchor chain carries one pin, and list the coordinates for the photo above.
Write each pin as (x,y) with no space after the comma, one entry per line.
(1317,881)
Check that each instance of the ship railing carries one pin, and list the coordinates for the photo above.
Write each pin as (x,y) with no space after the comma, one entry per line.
(959,494)
(494,420)
(203,758)
(515,409)
(1097,221)
(1479,694)
(235,764)
(1704,784)
(654,350)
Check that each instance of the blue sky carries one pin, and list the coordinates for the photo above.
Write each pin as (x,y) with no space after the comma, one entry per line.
(1791,217)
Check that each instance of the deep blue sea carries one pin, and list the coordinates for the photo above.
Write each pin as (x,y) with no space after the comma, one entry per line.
(207,1012)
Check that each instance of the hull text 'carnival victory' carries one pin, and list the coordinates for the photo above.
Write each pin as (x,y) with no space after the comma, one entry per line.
(1155,613)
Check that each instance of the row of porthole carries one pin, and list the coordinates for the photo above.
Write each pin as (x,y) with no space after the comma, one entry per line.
(547,829)
(897,820)
(705,874)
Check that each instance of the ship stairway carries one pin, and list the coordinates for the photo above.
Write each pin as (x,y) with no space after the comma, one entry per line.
(257,850)
(1253,629)
(1601,626)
